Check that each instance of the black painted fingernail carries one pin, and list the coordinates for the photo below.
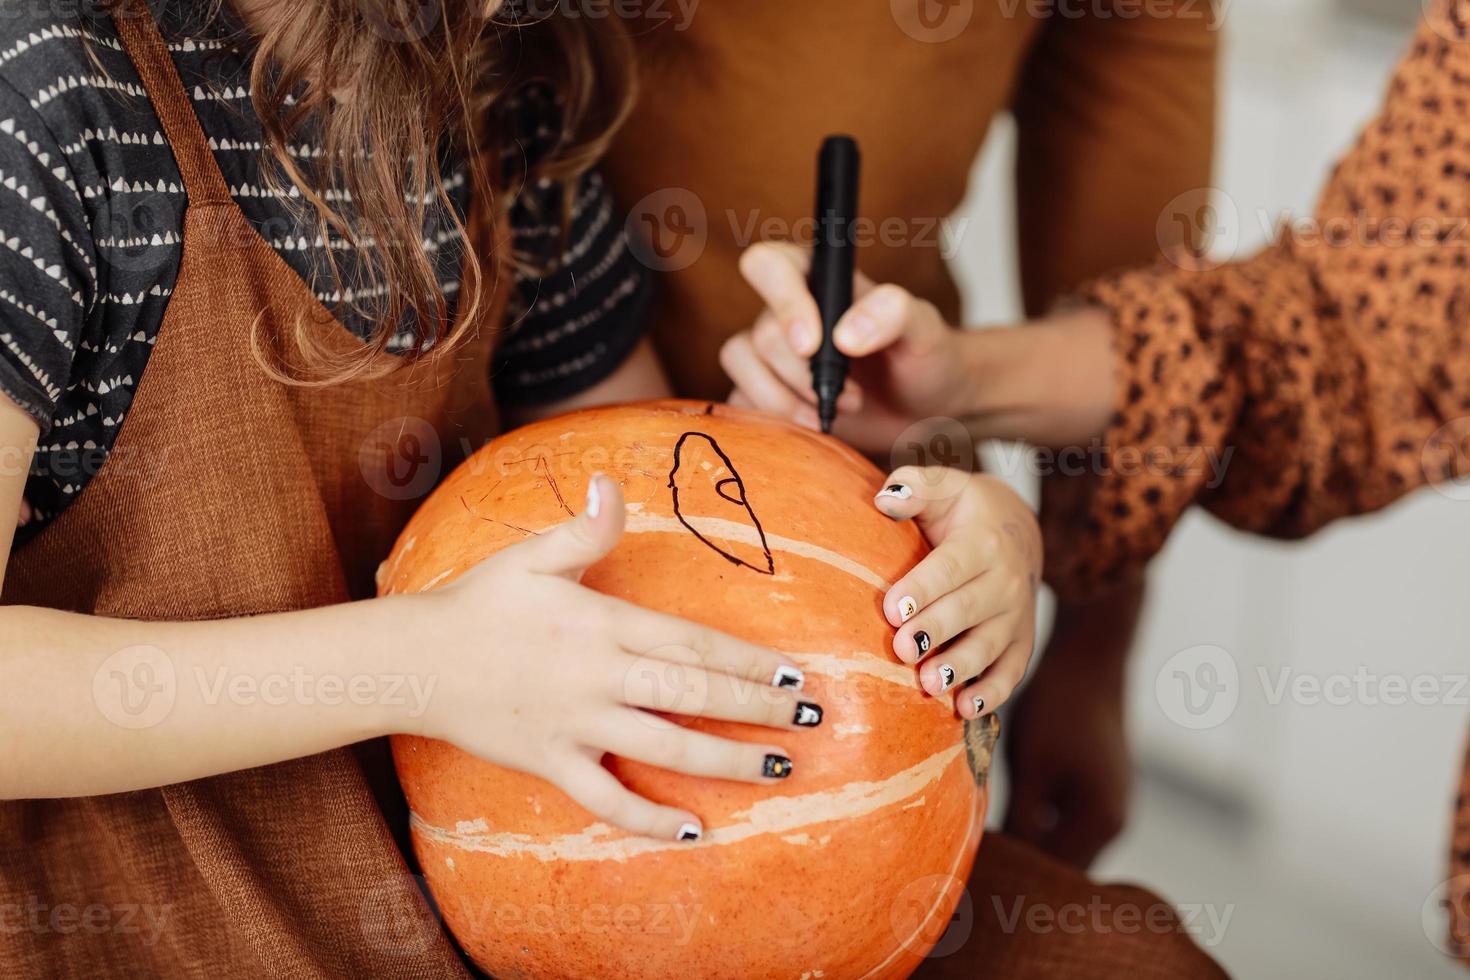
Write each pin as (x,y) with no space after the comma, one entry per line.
(979,705)
(689,832)
(808,715)
(897,491)
(921,640)
(776,767)
(788,677)
(946,676)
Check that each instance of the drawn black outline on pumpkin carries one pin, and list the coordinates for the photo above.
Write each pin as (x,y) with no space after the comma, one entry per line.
(722,489)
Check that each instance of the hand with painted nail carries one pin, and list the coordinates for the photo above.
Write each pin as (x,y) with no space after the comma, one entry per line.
(547,676)
(966,614)
(904,364)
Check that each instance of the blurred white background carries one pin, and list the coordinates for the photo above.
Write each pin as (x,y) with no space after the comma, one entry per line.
(1321,828)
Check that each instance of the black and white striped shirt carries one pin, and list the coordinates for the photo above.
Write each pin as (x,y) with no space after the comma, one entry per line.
(91,218)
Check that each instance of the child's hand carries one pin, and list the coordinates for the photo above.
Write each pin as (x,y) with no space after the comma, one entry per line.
(966,613)
(546,676)
(24,517)
(905,365)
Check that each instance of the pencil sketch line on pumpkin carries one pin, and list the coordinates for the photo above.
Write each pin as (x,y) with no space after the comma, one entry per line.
(546,472)
(783,815)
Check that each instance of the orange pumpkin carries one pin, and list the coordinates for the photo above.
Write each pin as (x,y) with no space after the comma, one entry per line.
(853,866)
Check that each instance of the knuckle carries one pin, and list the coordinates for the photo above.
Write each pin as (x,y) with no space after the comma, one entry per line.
(778,712)
(672,749)
(621,809)
(948,569)
(767,338)
(970,610)
(896,298)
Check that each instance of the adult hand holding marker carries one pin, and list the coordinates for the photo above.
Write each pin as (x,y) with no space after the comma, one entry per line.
(824,322)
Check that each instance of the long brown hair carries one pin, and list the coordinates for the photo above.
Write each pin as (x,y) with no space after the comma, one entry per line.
(388,87)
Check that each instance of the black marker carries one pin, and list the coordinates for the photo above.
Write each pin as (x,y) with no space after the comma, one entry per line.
(830,280)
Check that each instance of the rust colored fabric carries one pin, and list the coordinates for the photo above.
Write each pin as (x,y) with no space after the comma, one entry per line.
(1115,116)
(1335,368)
(231,494)
(1027,916)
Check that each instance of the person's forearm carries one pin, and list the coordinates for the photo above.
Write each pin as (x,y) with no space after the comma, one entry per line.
(1050,383)
(90,705)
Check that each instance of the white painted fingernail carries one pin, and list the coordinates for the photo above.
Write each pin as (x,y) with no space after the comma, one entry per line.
(789,677)
(946,677)
(979,705)
(594,499)
(907,606)
(897,491)
(690,832)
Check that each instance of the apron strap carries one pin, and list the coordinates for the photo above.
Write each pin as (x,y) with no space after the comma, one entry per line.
(203,180)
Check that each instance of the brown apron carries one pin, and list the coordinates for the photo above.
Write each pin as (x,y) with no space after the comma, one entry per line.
(230,494)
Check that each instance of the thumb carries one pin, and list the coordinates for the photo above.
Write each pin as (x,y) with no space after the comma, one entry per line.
(572,546)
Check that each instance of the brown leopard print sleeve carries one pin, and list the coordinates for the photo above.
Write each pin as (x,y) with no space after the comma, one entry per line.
(1327,376)
(1309,382)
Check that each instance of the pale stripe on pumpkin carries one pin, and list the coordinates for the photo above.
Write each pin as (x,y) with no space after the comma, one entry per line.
(776,815)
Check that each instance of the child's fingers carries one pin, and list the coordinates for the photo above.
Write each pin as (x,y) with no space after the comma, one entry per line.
(923,493)
(974,602)
(685,689)
(25,515)
(950,565)
(997,684)
(777,271)
(598,791)
(967,657)
(570,547)
(657,741)
(645,633)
